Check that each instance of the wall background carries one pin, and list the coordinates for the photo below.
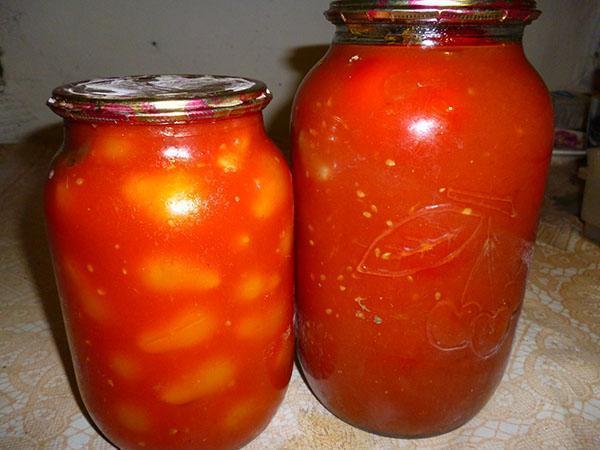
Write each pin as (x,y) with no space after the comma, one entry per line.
(46,43)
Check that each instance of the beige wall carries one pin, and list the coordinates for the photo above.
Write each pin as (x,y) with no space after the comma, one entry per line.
(46,43)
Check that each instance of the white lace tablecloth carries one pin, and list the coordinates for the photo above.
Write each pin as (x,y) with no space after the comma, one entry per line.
(549,397)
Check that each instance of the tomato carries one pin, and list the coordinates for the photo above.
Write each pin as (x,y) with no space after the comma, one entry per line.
(171,244)
(419,173)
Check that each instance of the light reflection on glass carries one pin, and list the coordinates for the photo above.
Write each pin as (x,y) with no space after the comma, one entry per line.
(183,204)
(176,153)
(423,127)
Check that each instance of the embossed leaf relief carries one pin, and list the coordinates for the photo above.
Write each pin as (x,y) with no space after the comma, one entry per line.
(490,301)
(411,246)
(504,205)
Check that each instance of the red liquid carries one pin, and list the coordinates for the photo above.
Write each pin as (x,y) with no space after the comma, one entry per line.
(172,248)
(419,175)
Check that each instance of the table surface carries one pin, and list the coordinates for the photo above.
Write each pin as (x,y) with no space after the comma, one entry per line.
(548,398)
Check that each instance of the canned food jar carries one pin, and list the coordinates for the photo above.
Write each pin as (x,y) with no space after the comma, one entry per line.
(169,216)
(421,143)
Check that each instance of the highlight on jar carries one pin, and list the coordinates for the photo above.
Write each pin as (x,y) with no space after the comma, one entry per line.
(169,217)
(414,227)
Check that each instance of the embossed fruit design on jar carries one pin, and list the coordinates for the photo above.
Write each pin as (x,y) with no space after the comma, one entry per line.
(169,214)
(421,143)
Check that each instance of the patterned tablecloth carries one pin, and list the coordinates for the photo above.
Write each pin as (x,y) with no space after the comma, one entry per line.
(549,397)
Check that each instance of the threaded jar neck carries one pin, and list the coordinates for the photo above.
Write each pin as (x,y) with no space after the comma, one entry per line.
(430,22)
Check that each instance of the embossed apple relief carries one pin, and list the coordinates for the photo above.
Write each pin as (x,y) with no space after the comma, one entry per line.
(491,299)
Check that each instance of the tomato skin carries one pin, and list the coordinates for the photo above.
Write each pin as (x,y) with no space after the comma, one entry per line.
(174,277)
(419,174)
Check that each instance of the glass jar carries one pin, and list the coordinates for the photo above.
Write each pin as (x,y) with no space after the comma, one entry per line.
(169,216)
(421,143)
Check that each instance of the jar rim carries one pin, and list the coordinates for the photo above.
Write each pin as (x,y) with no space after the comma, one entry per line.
(167,98)
(432,11)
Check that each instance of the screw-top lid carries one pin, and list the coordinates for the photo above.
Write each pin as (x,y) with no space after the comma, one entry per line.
(432,11)
(159,98)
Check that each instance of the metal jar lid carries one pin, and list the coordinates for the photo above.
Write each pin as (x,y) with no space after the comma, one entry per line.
(432,11)
(159,98)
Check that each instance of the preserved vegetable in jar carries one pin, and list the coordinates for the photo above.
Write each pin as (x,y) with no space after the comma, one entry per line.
(421,143)
(169,215)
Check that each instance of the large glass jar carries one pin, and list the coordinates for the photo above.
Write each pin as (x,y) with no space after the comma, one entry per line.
(169,214)
(421,143)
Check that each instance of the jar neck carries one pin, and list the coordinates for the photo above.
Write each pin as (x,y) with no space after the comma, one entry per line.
(79,134)
(252,120)
(428,35)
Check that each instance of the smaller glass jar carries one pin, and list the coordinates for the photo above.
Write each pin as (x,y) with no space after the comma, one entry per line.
(169,216)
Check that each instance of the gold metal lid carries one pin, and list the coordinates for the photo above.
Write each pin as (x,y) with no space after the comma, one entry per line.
(432,11)
(159,98)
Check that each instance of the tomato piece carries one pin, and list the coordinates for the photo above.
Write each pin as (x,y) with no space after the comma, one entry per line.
(211,377)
